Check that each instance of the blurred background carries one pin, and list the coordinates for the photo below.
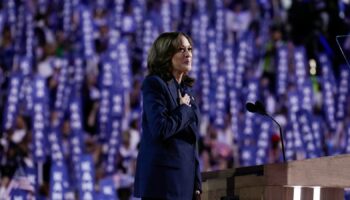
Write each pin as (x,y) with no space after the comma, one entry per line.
(71,72)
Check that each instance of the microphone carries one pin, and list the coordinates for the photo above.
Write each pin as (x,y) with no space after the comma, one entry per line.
(259,108)
(250,107)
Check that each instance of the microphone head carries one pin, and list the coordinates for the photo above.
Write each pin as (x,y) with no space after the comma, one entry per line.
(260,108)
(251,107)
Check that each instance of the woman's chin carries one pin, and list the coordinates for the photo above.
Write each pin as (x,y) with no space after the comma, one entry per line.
(187,68)
(183,69)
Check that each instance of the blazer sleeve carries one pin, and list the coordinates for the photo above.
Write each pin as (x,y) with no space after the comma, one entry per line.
(198,176)
(162,122)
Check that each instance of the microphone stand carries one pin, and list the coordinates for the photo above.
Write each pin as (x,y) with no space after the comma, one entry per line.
(259,108)
(281,134)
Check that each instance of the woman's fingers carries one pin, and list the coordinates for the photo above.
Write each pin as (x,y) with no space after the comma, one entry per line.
(184,99)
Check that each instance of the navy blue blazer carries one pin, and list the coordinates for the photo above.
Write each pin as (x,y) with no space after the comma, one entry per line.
(167,163)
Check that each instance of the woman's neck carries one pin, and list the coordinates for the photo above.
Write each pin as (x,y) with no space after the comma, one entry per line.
(178,76)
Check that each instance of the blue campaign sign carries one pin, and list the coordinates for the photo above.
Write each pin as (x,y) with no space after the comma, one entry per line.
(87,30)
(55,141)
(86,179)
(19,194)
(300,66)
(40,112)
(67,16)
(241,63)
(304,119)
(343,91)
(107,189)
(318,131)
(248,155)
(327,69)
(63,88)
(220,100)
(123,72)
(282,69)
(264,130)
(78,68)
(113,144)
(58,181)
(76,137)
(118,10)
(289,142)
(11,108)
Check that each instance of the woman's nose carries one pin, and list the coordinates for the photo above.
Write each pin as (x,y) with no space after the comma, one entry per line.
(188,54)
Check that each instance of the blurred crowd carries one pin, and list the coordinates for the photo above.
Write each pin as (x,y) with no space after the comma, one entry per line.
(87,51)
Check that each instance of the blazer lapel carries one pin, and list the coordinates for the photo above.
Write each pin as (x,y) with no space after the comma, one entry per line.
(174,95)
(173,91)
(195,109)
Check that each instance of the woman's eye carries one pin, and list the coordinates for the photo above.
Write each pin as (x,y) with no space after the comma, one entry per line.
(183,50)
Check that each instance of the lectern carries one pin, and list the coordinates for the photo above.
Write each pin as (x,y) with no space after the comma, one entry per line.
(313,179)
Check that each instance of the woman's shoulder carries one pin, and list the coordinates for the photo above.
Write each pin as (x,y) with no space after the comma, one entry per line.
(153,81)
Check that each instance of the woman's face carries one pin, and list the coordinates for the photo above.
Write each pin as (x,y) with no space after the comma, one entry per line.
(182,60)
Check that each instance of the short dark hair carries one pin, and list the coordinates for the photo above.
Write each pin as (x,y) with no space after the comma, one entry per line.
(161,53)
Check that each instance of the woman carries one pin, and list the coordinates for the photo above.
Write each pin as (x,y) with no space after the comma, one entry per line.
(167,163)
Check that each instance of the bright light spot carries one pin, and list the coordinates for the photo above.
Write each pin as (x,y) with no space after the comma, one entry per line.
(317,193)
(312,64)
(297,193)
